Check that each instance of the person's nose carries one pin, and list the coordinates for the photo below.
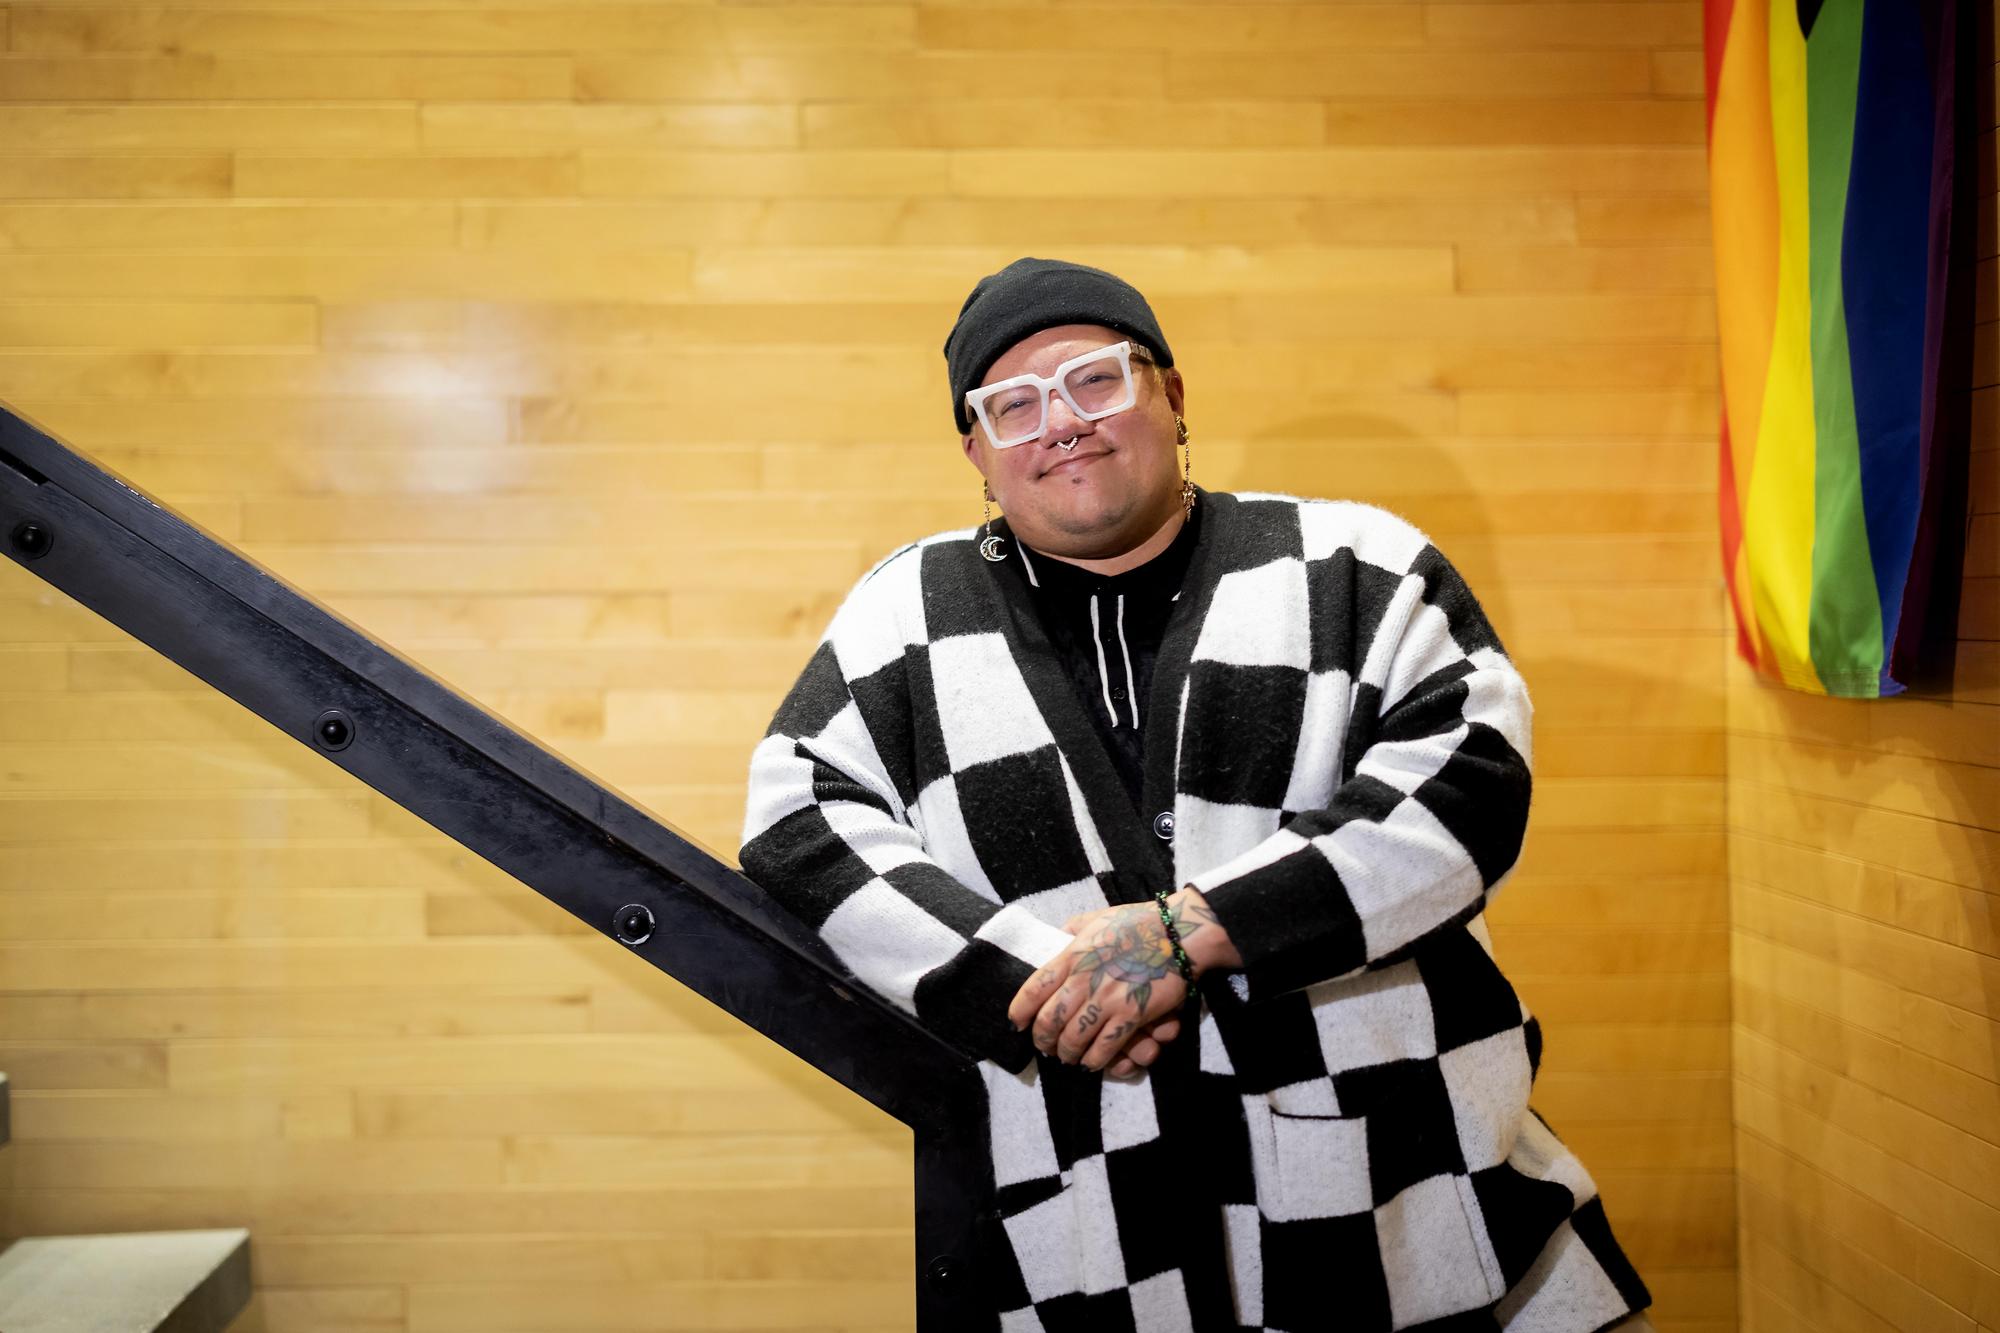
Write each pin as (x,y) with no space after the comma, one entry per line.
(1063,422)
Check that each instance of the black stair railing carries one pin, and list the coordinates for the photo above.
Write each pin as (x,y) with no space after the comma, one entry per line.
(78,526)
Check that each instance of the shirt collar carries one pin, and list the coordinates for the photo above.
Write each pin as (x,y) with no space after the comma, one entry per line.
(1158,579)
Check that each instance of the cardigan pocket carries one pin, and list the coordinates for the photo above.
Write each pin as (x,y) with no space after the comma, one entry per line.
(1322,1141)
(1317,1176)
(1320,1167)
(1068,1241)
(1313,1241)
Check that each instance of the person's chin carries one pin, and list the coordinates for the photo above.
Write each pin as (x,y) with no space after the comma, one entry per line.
(1084,511)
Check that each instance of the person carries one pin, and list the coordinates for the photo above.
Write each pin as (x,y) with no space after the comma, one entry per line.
(1178,811)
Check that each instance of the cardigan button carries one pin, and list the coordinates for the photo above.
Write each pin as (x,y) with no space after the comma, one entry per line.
(1163,825)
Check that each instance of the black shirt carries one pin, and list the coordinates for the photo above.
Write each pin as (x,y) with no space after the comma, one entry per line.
(1106,629)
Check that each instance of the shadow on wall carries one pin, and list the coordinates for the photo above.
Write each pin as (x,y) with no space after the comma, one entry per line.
(1353,455)
(1607,598)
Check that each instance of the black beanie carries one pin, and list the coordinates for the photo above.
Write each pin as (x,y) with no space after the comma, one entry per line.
(1030,295)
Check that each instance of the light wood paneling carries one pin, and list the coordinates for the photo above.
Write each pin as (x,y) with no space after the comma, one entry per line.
(586,352)
(1864,845)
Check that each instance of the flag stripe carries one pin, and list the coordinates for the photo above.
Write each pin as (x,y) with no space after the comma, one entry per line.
(1830,172)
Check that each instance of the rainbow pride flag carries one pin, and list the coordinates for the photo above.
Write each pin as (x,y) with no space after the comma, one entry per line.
(1830,137)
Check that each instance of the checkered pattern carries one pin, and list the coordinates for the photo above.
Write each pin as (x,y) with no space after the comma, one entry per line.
(1348,772)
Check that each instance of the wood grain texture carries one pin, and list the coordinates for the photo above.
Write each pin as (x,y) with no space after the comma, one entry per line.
(1865,912)
(587,351)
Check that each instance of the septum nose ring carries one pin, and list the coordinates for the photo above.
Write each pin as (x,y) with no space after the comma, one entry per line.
(1068,444)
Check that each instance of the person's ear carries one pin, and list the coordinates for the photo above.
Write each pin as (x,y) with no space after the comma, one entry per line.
(1170,379)
(970,444)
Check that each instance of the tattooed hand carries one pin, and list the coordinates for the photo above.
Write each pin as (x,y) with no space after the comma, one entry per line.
(1110,989)
(1145,1046)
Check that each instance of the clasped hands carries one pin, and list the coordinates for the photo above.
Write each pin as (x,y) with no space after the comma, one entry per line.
(1110,999)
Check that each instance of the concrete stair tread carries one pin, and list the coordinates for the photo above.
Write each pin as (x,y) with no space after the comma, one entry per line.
(140,1282)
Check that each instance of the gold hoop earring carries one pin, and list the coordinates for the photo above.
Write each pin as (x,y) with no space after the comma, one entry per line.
(989,548)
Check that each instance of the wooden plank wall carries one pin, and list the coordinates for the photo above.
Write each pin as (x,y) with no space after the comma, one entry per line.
(586,352)
(1864,867)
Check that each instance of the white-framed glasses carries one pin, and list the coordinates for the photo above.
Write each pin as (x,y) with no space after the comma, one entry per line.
(1096,385)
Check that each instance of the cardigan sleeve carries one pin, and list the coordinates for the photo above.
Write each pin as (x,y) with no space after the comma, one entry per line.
(1426,824)
(828,833)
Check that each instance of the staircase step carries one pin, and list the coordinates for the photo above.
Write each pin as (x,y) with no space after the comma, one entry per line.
(141,1282)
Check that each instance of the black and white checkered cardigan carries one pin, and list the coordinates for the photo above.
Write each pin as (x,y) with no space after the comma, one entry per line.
(1343,748)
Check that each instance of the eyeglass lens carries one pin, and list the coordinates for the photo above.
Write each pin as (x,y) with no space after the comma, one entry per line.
(1100,385)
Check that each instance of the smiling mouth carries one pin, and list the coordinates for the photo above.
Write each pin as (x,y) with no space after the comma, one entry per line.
(1074,458)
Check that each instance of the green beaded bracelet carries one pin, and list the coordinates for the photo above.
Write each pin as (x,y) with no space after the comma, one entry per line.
(1181,960)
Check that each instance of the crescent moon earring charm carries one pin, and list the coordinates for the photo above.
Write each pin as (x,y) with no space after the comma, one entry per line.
(989,548)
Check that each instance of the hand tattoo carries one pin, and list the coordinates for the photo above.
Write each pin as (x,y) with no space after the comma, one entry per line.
(1087,1020)
(1131,947)
(1196,914)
